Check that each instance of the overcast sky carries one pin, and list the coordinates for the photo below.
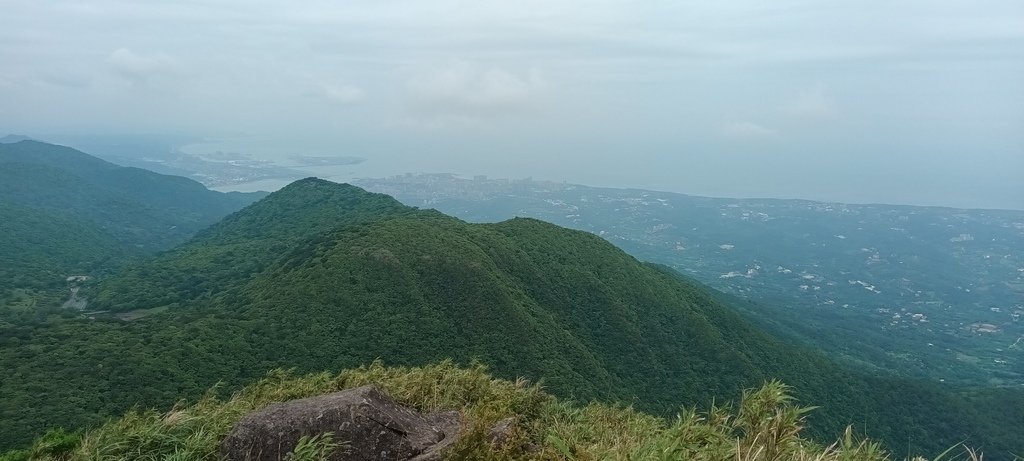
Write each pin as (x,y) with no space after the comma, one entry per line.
(916,102)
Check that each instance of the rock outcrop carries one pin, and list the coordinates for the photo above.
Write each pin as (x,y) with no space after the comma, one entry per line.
(369,424)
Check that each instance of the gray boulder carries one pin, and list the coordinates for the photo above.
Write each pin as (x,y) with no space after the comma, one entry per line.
(370,424)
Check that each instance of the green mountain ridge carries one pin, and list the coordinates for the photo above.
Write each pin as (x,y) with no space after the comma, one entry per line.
(923,292)
(326,276)
(242,244)
(139,207)
(64,212)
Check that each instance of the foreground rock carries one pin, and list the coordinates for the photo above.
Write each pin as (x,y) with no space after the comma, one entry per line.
(366,420)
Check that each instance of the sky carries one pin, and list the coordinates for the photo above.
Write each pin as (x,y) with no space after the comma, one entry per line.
(904,102)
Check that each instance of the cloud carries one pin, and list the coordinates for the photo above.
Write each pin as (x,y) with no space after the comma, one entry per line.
(747,130)
(343,94)
(812,104)
(66,80)
(461,89)
(141,68)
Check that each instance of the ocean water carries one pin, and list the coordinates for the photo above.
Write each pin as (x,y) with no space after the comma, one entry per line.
(276,155)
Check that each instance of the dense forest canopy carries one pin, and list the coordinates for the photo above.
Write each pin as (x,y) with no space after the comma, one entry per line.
(326,276)
(66,213)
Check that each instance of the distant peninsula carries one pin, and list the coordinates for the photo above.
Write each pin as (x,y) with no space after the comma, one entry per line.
(312,160)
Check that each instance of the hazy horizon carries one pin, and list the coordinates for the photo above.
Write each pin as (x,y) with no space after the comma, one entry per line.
(915,103)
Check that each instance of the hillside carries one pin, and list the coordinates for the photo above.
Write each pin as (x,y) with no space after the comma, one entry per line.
(914,291)
(243,244)
(64,212)
(139,207)
(764,424)
(326,276)
(40,249)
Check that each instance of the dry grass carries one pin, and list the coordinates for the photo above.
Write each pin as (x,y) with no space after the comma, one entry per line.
(765,425)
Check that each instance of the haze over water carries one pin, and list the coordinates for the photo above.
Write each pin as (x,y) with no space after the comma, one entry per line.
(915,102)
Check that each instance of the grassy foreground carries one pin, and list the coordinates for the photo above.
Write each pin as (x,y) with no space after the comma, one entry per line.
(765,425)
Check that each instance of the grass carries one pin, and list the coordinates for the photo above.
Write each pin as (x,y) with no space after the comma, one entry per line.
(765,424)
(315,448)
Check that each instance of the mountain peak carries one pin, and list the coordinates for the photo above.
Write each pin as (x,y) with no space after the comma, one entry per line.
(249,240)
(300,209)
(14,138)
(313,183)
(310,195)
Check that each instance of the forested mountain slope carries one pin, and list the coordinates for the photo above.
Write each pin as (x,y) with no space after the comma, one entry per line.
(243,244)
(39,249)
(139,207)
(64,212)
(326,276)
(913,291)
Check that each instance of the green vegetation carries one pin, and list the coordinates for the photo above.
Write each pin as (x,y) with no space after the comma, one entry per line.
(39,249)
(765,425)
(316,448)
(243,244)
(63,213)
(325,276)
(387,281)
(891,289)
(138,207)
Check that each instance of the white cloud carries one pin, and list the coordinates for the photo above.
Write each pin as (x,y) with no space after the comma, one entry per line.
(461,89)
(141,68)
(747,130)
(344,94)
(812,104)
